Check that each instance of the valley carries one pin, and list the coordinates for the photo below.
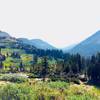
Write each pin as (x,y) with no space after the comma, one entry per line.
(28,72)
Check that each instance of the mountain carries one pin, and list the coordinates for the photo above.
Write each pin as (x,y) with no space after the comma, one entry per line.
(89,46)
(6,40)
(24,40)
(4,34)
(68,48)
(40,44)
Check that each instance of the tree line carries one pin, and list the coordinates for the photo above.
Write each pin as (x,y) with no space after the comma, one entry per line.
(66,67)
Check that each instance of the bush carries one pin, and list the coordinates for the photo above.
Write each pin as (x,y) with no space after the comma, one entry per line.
(16,92)
(75,80)
(31,76)
(13,78)
(54,78)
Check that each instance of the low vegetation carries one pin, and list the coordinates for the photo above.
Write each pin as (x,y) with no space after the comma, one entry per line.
(13,78)
(40,90)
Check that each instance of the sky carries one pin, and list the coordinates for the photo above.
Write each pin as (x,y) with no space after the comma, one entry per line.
(59,22)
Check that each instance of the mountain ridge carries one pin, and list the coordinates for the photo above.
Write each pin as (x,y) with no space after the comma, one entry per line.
(4,34)
(89,46)
(38,43)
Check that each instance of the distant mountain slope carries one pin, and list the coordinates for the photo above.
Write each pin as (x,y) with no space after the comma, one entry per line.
(6,40)
(40,44)
(68,48)
(4,34)
(24,40)
(89,46)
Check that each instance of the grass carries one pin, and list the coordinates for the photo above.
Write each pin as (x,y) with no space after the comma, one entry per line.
(39,90)
(8,50)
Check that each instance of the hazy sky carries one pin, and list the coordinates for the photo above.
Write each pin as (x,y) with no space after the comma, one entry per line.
(59,22)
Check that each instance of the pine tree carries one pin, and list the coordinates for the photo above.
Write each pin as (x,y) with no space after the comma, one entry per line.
(21,67)
(44,71)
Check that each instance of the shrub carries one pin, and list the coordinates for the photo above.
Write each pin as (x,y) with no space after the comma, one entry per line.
(13,78)
(75,80)
(31,76)
(16,92)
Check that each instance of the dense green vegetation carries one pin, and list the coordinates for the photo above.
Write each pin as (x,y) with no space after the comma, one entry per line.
(47,75)
(39,90)
(65,67)
(16,78)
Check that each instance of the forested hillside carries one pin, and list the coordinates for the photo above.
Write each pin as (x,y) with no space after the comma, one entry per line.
(51,64)
(27,72)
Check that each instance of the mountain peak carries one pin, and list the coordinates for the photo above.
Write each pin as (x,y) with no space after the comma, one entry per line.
(98,32)
(4,34)
(89,46)
(94,39)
